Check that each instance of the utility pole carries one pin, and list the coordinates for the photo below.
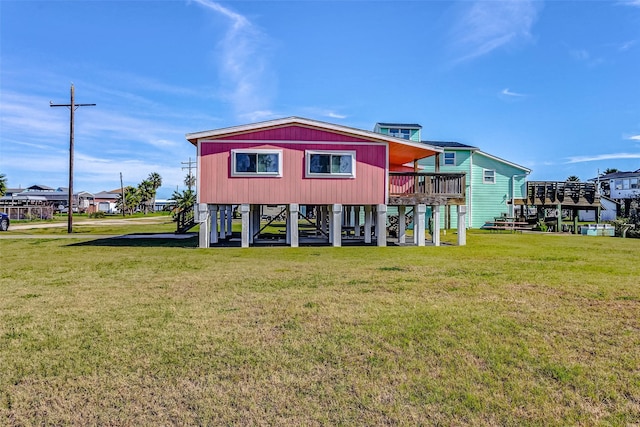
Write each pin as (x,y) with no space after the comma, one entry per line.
(190,165)
(72,107)
(122,190)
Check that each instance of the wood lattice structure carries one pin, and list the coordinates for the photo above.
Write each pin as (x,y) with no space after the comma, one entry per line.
(559,195)
(567,194)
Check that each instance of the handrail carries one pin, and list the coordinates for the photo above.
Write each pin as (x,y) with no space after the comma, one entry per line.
(185,219)
(447,184)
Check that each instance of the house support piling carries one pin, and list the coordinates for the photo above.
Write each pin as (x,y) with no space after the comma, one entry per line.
(435,236)
(245,210)
(462,227)
(402,225)
(419,224)
(381,225)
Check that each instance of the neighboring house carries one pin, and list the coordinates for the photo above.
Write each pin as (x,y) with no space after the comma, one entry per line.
(623,187)
(83,201)
(332,171)
(492,183)
(608,211)
(105,201)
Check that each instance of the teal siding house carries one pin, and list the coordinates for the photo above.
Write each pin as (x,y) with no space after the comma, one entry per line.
(400,130)
(492,182)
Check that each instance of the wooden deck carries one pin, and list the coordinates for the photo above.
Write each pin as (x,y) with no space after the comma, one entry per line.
(412,188)
(567,194)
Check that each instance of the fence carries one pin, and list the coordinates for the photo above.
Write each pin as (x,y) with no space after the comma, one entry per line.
(28,212)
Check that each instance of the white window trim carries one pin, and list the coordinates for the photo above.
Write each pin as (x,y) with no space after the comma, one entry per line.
(484,171)
(256,151)
(307,161)
(444,158)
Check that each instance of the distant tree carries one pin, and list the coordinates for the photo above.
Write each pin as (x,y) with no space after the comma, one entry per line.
(131,200)
(610,170)
(146,194)
(185,199)
(156,182)
(3,184)
(573,178)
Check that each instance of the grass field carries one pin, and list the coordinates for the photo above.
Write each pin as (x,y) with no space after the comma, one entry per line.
(509,330)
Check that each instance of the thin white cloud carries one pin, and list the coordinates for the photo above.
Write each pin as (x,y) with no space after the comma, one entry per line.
(611,156)
(244,63)
(336,115)
(634,137)
(623,47)
(634,3)
(507,92)
(488,25)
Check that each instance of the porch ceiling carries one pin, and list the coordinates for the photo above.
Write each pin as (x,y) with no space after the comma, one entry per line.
(404,152)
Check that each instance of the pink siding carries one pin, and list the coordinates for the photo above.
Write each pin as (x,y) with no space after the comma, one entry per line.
(217,186)
(294,133)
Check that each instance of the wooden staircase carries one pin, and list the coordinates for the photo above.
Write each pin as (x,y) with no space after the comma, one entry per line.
(185,220)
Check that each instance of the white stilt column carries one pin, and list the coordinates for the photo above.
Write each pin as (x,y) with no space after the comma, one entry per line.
(336,225)
(203,219)
(329,223)
(420,225)
(244,212)
(213,220)
(255,222)
(381,225)
(402,225)
(367,223)
(416,227)
(356,221)
(229,220)
(436,226)
(223,222)
(462,225)
(292,224)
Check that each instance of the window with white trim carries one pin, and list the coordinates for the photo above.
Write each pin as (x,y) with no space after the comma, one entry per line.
(634,183)
(489,176)
(330,164)
(256,162)
(400,133)
(449,159)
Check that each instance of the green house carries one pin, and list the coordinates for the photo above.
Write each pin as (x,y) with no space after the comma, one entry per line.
(492,182)
(400,130)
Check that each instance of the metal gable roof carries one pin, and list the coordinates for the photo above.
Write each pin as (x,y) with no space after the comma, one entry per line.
(399,125)
(451,145)
(506,162)
(400,150)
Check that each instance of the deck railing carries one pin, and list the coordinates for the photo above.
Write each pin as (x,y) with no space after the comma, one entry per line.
(447,185)
(551,192)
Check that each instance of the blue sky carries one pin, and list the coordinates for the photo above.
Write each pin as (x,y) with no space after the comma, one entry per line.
(553,86)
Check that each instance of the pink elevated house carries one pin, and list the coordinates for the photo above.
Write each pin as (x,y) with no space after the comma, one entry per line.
(339,179)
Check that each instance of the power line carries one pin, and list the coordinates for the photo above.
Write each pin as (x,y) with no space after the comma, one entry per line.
(190,165)
(72,108)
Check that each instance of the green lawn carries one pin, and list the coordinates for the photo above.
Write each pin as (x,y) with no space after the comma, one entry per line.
(512,329)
